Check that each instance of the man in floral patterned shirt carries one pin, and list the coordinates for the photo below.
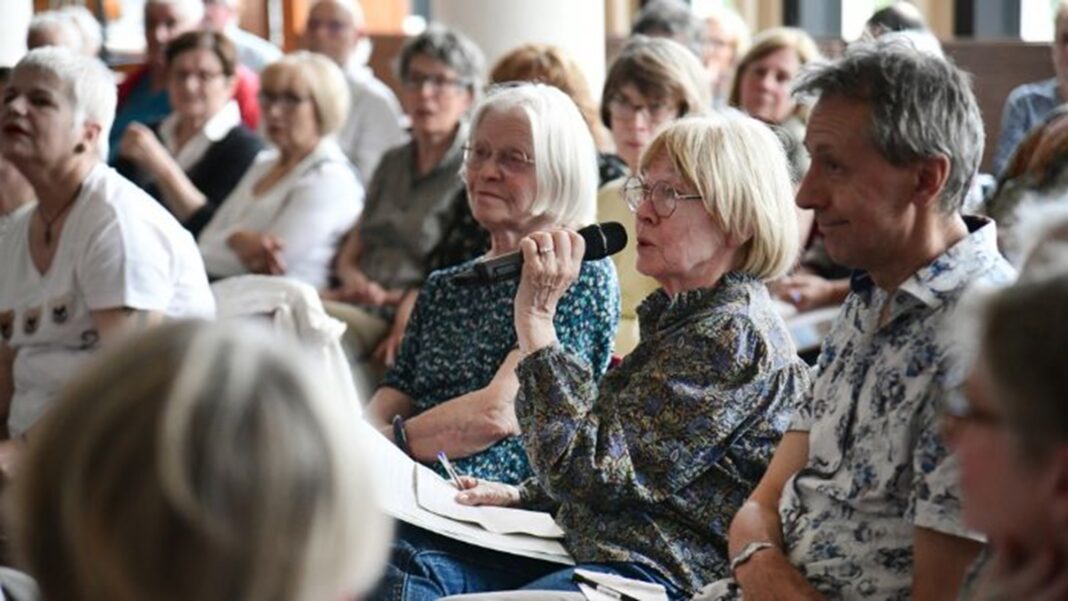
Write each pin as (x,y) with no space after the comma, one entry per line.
(861,499)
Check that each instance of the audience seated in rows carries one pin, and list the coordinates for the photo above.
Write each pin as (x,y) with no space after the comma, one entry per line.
(1028,105)
(254,52)
(411,198)
(94,257)
(652,82)
(143,95)
(291,209)
(862,499)
(375,124)
(194,158)
(528,167)
(641,467)
(198,461)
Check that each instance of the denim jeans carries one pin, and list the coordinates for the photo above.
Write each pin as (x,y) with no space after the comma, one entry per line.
(424,565)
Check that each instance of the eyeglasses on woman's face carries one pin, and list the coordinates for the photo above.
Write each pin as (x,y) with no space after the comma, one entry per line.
(287,100)
(655,111)
(512,161)
(415,82)
(958,411)
(664,196)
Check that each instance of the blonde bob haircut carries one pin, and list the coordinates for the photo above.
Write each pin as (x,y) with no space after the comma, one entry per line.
(565,159)
(329,90)
(767,42)
(738,166)
(198,461)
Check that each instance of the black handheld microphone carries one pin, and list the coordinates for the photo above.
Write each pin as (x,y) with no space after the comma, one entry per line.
(601,240)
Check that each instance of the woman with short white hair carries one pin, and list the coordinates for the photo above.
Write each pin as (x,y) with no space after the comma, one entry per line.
(645,467)
(528,165)
(95,255)
(200,461)
(295,203)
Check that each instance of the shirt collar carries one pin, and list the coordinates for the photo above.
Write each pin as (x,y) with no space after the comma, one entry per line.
(216,128)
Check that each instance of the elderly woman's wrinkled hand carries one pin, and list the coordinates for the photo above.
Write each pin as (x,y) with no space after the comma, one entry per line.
(551,263)
(258,252)
(141,146)
(484,492)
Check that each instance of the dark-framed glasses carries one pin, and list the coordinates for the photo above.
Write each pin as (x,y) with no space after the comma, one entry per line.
(509,160)
(655,111)
(663,195)
(437,83)
(201,77)
(285,100)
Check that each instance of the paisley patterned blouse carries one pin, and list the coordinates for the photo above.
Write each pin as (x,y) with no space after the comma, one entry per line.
(458,336)
(651,466)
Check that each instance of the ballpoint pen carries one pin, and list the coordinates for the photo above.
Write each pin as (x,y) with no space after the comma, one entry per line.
(602,588)
(450,470)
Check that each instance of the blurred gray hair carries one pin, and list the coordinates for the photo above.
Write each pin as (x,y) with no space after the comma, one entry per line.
(674,19)
(922,106)
(217,438)
(565,158)
(87,82)
(192,11)
(58,21)
(451,47)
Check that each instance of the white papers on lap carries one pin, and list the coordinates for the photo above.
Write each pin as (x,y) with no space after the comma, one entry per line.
(437,495)
(394,477)
(614,587)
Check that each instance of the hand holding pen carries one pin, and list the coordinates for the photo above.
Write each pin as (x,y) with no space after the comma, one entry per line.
(479,492)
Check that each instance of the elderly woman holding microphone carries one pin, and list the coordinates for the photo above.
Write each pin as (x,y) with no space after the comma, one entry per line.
(646,467)
(96,255)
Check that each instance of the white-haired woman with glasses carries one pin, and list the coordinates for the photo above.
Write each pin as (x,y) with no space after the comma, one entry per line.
(645,468)
(94,256)
(412,196)
(288,214)
(529,166)
(199,461)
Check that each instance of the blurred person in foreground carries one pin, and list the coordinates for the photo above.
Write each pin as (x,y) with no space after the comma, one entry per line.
(198,461)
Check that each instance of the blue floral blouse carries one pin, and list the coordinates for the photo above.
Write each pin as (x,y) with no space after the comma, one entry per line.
(877,466)
(650,466)
(458,336)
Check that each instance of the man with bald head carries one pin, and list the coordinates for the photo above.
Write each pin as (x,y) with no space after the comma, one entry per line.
(335,28)
(252,51)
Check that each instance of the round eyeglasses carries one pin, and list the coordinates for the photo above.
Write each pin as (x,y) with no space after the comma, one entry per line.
(662,194)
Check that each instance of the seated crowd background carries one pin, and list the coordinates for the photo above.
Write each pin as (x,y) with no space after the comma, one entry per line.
(653,402)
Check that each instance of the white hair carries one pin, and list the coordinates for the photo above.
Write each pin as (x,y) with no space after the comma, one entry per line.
(87,82)
(192,11)
(565,158)
(92,35)
(69,32)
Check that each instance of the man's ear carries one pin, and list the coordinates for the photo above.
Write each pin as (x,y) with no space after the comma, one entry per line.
(931,176)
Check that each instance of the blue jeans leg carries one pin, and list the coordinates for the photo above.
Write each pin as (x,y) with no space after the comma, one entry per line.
(424,565)
(560,580)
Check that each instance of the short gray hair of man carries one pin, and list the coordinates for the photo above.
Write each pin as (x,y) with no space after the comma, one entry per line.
(88,84)
(192,11)
(922,106)
(672,18)
(565,164)
(451,47)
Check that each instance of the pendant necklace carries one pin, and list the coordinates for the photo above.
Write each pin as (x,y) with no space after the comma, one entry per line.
(48,222)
